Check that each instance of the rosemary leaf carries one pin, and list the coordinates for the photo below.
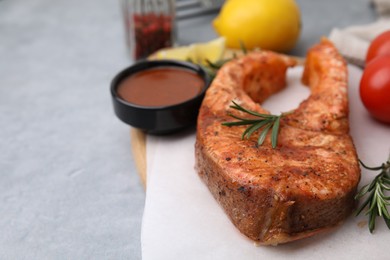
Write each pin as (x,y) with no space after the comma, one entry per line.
(245,122)
(243,47)
(263,134)
(385,212)
(371,222)
(249,131)
(213,65)
(253,113)
(275,132)
(362,192)
(244,119)
(261,122)
(363,206)
(384,186)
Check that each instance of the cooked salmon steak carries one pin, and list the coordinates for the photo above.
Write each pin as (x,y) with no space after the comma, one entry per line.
(307,183)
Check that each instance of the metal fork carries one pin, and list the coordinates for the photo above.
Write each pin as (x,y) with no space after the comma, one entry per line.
(193,8)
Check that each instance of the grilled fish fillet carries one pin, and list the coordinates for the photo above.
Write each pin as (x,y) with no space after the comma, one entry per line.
(305,185)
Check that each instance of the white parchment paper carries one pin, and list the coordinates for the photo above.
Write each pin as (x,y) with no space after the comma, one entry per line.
(183,221)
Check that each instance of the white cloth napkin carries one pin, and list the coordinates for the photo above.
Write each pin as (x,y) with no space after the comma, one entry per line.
(183,221)
(382,7)
(353,41)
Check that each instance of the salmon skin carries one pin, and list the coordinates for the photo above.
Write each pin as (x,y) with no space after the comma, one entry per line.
(306,185)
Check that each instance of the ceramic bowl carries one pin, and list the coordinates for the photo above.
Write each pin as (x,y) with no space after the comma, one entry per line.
(158,119)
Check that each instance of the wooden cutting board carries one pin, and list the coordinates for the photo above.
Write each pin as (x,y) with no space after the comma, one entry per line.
(138,138)
(138,148)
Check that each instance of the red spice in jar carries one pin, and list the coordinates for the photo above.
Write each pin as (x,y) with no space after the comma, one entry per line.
(151,32)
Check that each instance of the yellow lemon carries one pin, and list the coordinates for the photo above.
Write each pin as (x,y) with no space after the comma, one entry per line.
(212,50)
(178,53)
(197,52)
(267,24)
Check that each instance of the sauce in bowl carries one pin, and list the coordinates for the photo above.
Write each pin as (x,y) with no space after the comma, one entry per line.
(159,96)
(160,86)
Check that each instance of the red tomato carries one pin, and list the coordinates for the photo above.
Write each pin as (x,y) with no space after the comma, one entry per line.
(375,88)
(379,46)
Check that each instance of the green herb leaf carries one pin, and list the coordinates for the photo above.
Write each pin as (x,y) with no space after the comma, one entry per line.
(249,131)
(263,134)
(275,132)
(243,47)
(376,201)
(263,122)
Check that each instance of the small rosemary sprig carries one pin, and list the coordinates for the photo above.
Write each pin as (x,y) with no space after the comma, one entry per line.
(377,201)
(212,68)
(263,121)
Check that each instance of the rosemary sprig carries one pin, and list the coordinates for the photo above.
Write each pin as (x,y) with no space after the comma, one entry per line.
(212,68)
(243,47)
(265,122)
(377,201)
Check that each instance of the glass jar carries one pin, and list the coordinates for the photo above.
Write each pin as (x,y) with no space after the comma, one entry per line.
(149,26)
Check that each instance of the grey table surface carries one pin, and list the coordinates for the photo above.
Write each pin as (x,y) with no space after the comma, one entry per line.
(68,183)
